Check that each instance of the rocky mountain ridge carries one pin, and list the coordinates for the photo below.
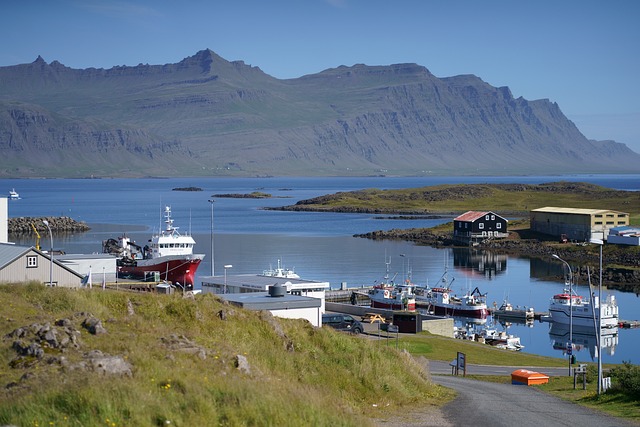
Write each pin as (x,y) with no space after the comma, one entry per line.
(207,116)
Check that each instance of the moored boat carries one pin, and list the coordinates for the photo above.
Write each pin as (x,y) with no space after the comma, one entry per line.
(280,271)
(168,256)
(570,308)
(442,302)
(390,296)
(506,311)
(13,194)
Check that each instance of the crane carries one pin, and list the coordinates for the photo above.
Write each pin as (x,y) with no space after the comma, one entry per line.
(37,236)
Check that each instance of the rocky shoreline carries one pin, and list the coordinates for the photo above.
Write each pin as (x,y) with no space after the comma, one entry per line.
(621,269)
(23,225)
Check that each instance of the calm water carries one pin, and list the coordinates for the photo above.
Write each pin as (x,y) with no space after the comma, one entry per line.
(319,246)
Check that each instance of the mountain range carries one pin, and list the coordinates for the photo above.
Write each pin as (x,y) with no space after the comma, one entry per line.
(206,116)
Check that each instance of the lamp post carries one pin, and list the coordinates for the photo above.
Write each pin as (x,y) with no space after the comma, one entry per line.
(570,346)
(600,243)
(45,222)
(212,266)
(225,276)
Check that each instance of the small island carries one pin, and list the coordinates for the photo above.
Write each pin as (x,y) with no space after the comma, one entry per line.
(187,189)
(253,195)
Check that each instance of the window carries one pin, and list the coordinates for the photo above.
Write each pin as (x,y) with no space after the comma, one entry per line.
(486,217)
(610,223)
(493,217)
(481,226)
(598,215)
(499,225)
(622,222)
(32,261)
(598,222)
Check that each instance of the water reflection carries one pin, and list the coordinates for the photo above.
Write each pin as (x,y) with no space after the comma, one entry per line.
(479,262)
(584,339)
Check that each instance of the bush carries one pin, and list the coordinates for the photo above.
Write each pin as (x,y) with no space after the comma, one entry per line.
(626,379)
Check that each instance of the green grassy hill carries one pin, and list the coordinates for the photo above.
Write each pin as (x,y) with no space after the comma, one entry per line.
(188,362)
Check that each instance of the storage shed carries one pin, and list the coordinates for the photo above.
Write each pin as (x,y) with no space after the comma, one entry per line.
(527,377)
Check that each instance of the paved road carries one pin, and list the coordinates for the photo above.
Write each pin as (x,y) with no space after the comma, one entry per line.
(438,367)
(491,404)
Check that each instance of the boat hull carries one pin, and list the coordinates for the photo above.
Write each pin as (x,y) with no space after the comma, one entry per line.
(172,269)
(479,313)
(563,317)
(392,306)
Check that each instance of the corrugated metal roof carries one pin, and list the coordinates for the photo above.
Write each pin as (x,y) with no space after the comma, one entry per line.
(257,281)
(471,216)
(9,253)
(576,211)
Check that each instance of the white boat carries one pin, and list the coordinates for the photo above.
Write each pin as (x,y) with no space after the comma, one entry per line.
(569,308)
(501,339)
(13,194)
(281,272)
(168,254)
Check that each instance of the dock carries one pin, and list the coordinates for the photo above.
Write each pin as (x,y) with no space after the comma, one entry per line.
(628,324)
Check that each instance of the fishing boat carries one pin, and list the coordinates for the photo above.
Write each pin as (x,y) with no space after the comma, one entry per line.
(507,311)
(390,296)
(13,194)
(572,309)
(441,301)
(168,256)
(280,271)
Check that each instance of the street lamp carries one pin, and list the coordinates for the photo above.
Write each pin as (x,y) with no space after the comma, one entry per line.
(225,276)
(212,266)
(45,222)
(570,346)
(600,243)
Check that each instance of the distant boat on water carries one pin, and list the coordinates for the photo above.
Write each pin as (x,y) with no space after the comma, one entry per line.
(13,194)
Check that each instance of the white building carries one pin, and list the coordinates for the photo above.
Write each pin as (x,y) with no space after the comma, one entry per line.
(624,236)
(248,283)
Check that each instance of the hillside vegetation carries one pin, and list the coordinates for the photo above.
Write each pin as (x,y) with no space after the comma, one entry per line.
(92,357)
(453,199)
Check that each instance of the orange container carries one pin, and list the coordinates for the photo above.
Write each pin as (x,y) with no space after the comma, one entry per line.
(526,377)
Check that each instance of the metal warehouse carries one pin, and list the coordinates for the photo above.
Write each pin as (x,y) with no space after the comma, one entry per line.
(577,224)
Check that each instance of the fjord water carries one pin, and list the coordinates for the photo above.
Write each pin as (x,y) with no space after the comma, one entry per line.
(319,246)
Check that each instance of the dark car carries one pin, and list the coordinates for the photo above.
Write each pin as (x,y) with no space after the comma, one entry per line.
(342,322)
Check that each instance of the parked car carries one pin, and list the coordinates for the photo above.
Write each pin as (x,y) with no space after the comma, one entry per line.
(342,322)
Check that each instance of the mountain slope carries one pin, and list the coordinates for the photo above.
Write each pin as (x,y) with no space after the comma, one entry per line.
(208,116)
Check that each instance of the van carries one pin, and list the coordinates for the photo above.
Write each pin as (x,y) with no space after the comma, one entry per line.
(342,322)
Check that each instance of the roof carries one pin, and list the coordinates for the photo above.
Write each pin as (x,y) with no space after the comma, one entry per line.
(263,301)
(576,211)
(260,282)
(474,215)
(9,253)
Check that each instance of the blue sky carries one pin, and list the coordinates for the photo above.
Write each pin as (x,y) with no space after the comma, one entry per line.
(582,54)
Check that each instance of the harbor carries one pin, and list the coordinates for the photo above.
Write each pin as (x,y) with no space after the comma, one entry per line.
(319,246)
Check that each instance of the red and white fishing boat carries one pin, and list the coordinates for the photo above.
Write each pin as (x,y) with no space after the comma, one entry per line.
(393,297)
(168,256)
(441,301)
(390,296)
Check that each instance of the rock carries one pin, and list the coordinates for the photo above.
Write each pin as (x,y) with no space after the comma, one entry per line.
(242,364)
(94,326)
